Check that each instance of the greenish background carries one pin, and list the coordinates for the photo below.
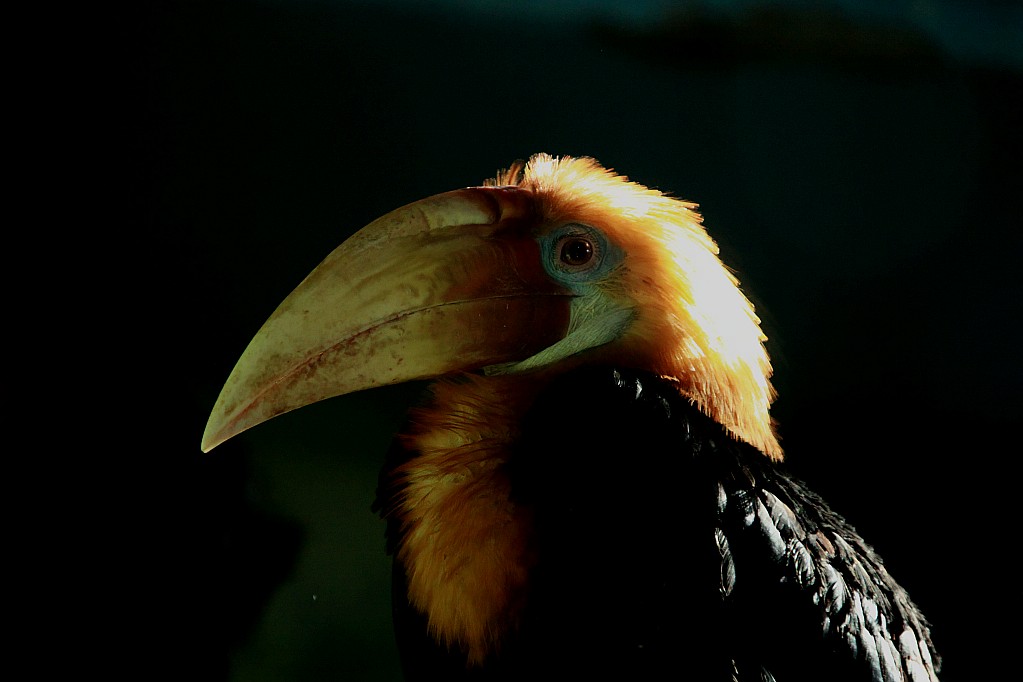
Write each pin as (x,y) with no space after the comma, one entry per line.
(860,170)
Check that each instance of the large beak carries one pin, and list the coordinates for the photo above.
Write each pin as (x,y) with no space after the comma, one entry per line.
(449,283)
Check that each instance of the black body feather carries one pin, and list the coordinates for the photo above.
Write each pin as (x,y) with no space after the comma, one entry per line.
(668,550)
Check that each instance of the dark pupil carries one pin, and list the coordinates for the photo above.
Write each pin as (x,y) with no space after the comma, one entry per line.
(576,252)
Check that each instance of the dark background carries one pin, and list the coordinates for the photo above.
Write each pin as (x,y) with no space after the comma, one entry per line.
(859,169)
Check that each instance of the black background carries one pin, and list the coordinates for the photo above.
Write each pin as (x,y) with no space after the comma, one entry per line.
(860,177)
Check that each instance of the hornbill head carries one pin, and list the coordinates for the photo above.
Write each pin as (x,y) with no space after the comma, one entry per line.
(554,263)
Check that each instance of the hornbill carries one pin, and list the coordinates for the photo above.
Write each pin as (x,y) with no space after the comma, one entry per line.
(593,484)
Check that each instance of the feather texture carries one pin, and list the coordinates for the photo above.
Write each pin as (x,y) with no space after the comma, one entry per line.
(660,546)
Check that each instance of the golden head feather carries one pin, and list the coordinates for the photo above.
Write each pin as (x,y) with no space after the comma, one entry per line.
(691,322)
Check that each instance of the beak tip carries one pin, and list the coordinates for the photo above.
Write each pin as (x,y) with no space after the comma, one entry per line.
(218,430)
(210,440)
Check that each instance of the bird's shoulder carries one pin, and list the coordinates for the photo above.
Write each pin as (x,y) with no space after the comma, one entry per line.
(784,568)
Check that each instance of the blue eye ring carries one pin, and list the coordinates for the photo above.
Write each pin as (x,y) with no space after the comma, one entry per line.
(577,253)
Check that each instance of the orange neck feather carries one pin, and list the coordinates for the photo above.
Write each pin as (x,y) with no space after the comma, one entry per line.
(465,545)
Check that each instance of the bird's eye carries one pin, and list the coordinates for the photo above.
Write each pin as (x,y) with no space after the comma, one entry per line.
(575,251)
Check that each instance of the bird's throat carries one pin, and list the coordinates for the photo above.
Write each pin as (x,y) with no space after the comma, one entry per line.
(465,544)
